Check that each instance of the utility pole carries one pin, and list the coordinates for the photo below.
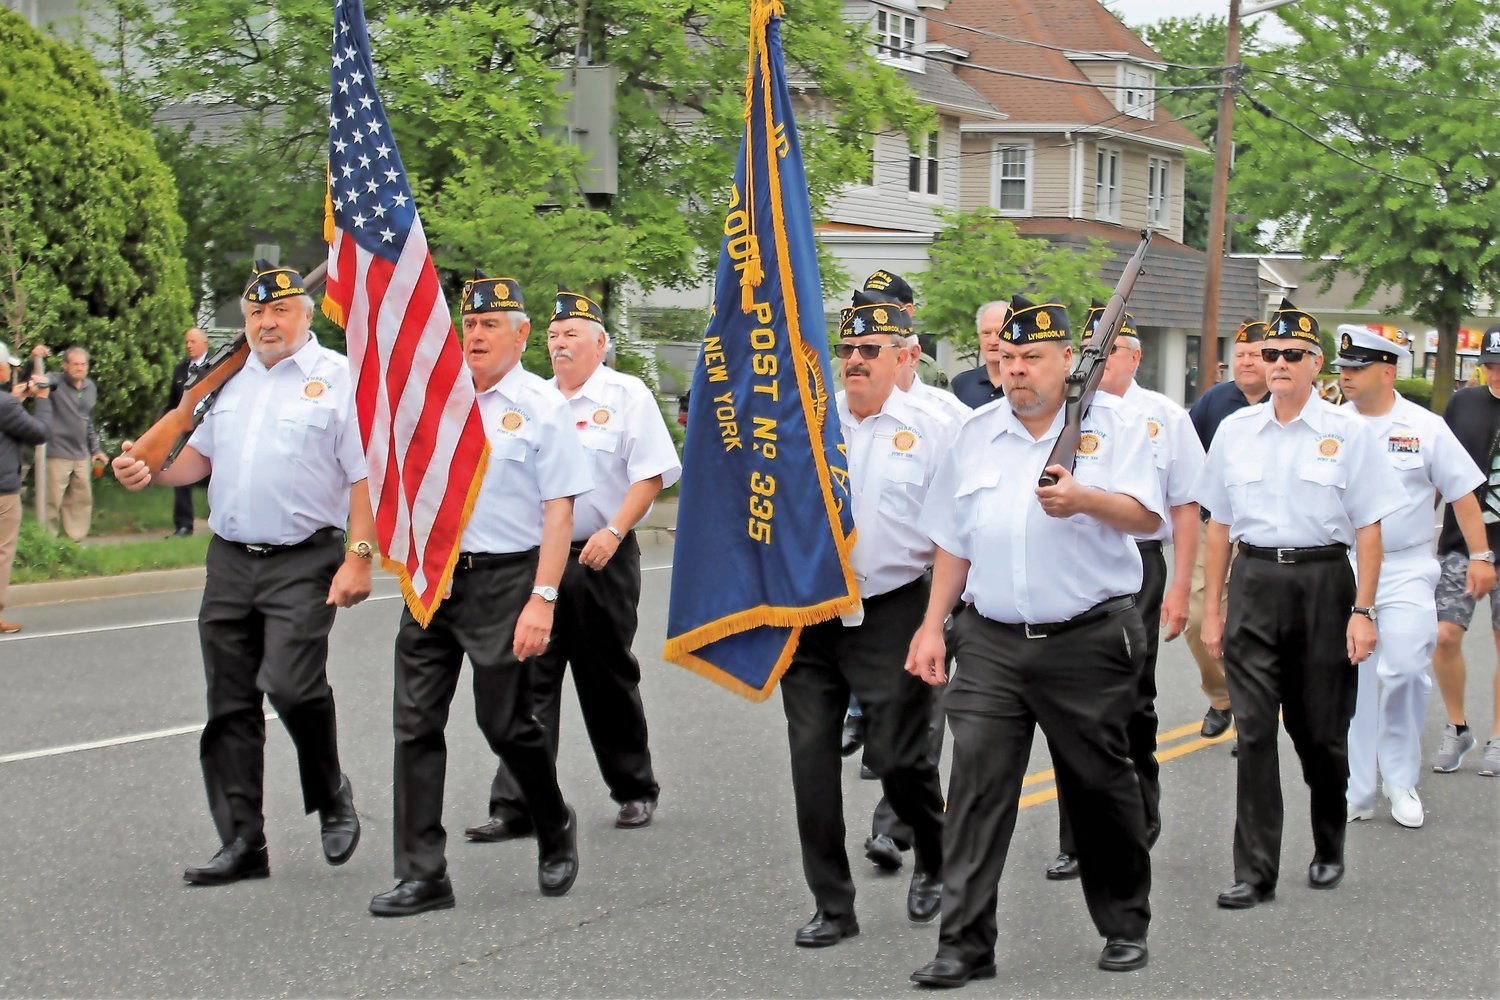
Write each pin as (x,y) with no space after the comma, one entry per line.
(1208,341)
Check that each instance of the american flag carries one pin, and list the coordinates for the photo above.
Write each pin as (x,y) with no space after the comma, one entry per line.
(417,413)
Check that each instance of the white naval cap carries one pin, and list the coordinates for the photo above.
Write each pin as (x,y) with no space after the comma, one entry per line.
(1360,347)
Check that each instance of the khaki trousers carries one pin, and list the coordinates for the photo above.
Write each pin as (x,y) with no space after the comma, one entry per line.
(1210,669)
(70,491)
(10,527)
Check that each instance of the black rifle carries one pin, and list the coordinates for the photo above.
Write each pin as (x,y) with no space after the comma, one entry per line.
(1083,380)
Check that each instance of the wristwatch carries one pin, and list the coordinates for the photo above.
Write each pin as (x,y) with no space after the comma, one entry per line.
(614,531)
(363,549)
(1367,612)
(548,594)
(1488,555)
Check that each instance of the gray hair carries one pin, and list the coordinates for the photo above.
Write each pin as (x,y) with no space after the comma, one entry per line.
(74,351)
(979,313)
(306,300)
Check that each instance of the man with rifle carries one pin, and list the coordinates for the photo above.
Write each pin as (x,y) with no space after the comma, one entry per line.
(281,447)
(1052,636)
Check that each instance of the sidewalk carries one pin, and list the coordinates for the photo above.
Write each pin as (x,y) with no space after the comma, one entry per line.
(659,528)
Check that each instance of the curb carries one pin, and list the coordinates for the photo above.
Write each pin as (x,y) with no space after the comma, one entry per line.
(165,581)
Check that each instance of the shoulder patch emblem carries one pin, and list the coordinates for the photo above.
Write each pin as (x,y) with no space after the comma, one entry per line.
(904,440)
(512,420)
(1328,447)
(313,388)
(601,416)
(1088,443)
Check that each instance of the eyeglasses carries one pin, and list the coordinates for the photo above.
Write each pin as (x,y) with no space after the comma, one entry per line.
(1270,355)
(867,351)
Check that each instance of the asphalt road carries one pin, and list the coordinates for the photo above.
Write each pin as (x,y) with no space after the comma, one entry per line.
(103,806)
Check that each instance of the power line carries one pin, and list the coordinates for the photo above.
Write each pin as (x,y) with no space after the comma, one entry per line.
(1260,106)
(1368,89)
(1054,48)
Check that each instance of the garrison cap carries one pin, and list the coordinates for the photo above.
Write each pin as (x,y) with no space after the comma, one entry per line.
(573,305)
(872,314)
(891,285)
(268,282)
(1252,331)
(1031,323)
(1289,321)
(484,294)
(1096,312)
(1360,347)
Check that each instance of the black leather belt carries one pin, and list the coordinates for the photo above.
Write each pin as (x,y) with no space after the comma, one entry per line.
(318,537)
(1288,556)
(1154,545)
(483,560)
(1100,611)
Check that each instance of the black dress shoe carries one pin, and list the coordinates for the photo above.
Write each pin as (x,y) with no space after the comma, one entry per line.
(495,829)
(558,867)
(182,533)
(951,972)
(1243,895)
(924,898)
(826,929)
(1325,874)
(884,851)
(636,814)
(236,860)
(414,896)
(340,825)
(1123,955)
(1215,722)
(1064,868)
(854,735)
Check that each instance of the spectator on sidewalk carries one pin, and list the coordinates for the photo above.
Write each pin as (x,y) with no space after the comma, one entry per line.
(196,344)
(72,446)
(17,430)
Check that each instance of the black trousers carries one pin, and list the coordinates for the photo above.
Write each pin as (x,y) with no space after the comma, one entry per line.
(594,628)
(182,507)
(1140,728)
(1285,649)
(478,618)
(1079,686)
(263,627)
(868,660)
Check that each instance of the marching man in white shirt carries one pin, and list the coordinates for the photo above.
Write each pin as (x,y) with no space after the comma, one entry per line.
(1385,735)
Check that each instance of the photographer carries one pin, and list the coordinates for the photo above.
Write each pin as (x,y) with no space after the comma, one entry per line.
(17,429)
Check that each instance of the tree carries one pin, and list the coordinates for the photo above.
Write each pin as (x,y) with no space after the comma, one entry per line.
(472,90)
(978,257)
(1196,46)
(90,238)
(1377,146)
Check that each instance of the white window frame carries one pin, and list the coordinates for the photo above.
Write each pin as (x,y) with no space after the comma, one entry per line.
(1027,149)
(1136,98)
(1107,195)
(928,161)
(1158,192)
(898,37)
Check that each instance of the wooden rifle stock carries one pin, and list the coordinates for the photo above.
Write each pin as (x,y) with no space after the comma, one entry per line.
(161,443)
(1084,380)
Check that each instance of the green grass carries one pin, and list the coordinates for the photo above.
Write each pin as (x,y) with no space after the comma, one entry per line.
(117,511)
(40,557)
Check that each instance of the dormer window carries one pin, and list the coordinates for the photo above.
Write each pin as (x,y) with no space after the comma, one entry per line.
(896,37)
(1136,96)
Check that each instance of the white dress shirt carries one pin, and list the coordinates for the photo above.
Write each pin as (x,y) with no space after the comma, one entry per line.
(1174,446)
(1025,565)
(893,456)
(939,401)
(285,448)
(1427,458)
(534,457)
(1310,482)
(627,440)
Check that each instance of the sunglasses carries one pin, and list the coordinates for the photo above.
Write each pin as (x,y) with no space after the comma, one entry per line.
(1270,355)
(867,351)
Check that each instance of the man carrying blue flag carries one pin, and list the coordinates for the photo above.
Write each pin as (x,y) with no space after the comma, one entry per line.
(894,450)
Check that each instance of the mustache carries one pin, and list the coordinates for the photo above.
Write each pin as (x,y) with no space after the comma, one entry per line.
(562,352)
(856,370)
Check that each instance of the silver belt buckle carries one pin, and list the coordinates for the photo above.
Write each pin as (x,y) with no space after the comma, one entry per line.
(259,550)
(1281,557)
(1042,634)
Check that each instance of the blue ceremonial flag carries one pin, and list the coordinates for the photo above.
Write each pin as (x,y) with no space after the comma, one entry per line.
(764,522)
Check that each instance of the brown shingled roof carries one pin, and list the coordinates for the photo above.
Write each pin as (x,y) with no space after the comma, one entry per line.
(1078,25)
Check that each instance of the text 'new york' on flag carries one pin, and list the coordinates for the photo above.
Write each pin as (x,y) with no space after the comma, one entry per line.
(422,431)
(764,523)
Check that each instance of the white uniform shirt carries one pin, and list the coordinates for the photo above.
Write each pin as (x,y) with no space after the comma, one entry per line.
(285,448)
(534,456)
(1174,446)
(939,401)
(622,429)
(1426,457)
(1024,565)
(1311,482)
(893,456)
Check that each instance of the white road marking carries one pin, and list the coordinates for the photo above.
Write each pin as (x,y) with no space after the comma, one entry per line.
(118,741)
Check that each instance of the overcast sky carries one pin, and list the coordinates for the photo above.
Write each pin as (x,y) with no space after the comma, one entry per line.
(1146,11)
